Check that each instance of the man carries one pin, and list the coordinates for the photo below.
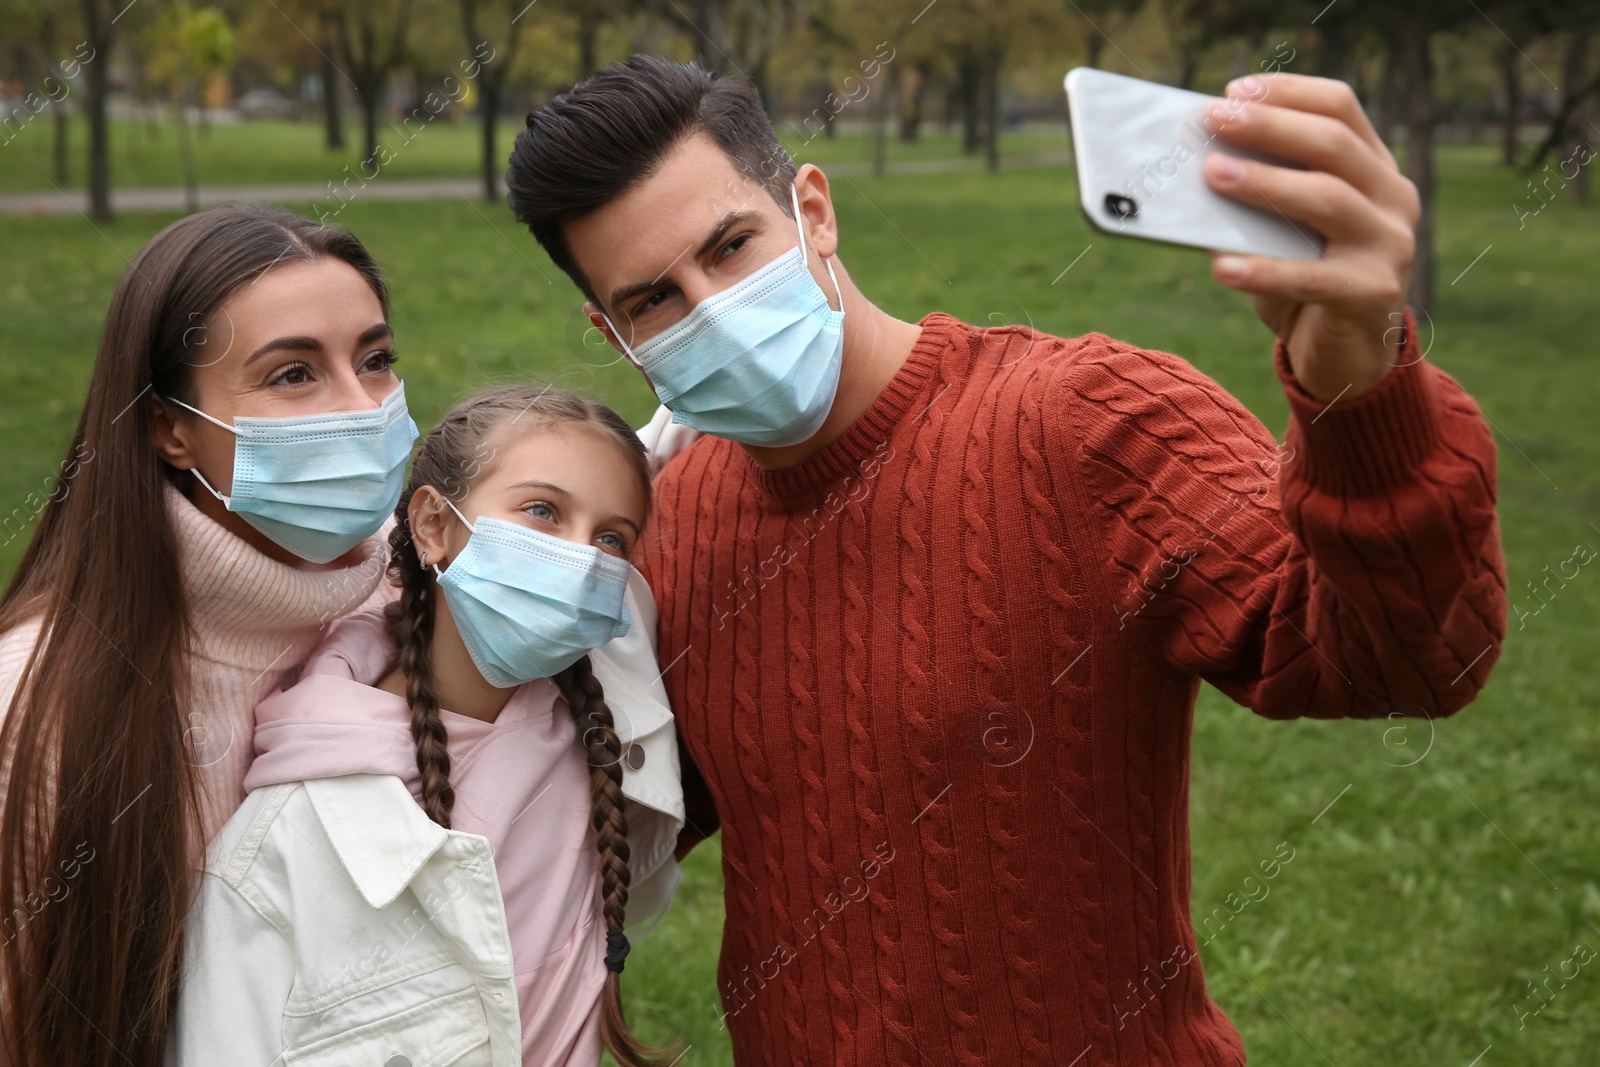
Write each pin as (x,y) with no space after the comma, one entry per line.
(935,601)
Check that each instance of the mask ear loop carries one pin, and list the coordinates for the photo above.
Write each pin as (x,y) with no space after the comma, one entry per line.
(227,501)
(470,529)
(794,195)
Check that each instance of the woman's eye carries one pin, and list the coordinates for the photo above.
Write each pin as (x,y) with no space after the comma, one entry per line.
(294,374)
(541,511)
(381,361)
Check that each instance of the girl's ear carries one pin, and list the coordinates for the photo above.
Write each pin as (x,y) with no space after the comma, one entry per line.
(429,517)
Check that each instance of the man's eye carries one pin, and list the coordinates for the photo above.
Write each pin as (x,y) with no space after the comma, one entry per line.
(734,245)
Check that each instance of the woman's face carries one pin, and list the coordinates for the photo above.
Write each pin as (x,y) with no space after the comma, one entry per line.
(302,339)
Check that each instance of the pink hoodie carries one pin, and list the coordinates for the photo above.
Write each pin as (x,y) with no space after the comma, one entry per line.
(520,781)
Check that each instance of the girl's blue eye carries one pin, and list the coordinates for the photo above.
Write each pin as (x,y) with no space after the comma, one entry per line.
(541,511)
(612,541)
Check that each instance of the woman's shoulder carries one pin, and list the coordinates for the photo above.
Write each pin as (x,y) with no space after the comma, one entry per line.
(356,646)
(16,645)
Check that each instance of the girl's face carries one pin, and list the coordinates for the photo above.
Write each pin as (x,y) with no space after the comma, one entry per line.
(302,339)
(567,481)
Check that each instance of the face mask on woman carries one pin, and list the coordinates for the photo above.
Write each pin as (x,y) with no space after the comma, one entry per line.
(756,363)
(528,605)
(318,485)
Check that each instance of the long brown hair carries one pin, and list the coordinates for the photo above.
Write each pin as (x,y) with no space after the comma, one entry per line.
(449,460)
(100,802)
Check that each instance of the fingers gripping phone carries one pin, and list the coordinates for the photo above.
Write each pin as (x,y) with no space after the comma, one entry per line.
(1140,148)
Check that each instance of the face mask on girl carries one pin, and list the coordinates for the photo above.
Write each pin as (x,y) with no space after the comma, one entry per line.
(528,605)
(756,363)
(318,485)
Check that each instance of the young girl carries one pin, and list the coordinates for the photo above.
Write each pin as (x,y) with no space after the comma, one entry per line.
(448,825)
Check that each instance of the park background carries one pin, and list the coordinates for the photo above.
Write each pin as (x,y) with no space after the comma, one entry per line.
(1442,904)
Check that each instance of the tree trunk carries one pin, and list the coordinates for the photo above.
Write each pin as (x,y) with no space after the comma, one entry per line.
(588,39)
(913,103)
(58,118)
(992,88)
(1094,47)
(191,180)
(1334,59)
(1573,73)
(332,116)
(708,42)
(971,87)
(1388,102)
(1415,40)
(371,98)
(1188,66)
(880,122)
(1511,79)
(489,114)
(98,35)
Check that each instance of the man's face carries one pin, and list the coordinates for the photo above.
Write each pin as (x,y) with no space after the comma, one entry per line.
(688,231)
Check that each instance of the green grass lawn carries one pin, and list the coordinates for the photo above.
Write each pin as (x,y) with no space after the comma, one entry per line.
(1421,903)
(255,153)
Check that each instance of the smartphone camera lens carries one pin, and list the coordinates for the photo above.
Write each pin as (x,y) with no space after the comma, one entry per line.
(1120,206)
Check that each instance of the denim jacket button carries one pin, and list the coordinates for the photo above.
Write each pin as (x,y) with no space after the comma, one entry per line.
(397,1061)
(635,756)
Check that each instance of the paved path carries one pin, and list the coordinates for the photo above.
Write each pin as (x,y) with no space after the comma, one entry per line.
(73,201)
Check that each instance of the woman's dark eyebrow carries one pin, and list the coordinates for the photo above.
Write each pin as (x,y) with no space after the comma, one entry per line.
(728,221)
(375,333)
(285,344)
(311,344)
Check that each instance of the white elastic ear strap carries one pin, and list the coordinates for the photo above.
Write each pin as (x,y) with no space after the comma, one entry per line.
(460,516)
(231,429)
(226,501)
(794,195)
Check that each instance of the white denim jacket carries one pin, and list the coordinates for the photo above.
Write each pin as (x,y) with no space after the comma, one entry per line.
(337,924)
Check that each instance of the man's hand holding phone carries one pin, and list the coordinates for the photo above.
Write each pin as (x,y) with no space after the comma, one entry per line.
(1336,315)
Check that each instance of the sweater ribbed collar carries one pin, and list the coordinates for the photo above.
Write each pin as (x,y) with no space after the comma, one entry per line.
(906,395)
(233,589)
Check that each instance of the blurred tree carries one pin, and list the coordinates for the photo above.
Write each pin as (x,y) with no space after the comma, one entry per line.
(99,25)
(35,50)
(497,25)
(185,48)
(372,44)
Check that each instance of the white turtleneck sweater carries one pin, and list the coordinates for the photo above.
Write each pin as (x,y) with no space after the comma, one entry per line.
(255,621)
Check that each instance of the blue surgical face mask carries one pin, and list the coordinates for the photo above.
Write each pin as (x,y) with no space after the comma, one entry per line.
(528,605)
(756,363)
(318,485)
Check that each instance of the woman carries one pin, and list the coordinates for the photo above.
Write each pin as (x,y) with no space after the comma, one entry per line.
(212,518)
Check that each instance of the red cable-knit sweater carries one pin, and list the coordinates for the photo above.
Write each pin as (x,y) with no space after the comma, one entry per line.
(939,678)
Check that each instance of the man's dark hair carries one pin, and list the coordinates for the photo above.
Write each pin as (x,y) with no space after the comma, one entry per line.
(612,130)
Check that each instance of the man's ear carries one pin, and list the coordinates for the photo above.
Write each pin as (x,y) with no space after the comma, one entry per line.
(598,321)
(172,434)
(426,517)
(816,210)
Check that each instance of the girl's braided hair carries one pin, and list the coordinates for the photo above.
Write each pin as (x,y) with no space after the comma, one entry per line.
(450,459)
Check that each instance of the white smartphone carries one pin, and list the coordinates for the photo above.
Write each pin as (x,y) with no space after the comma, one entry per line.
(1139,149)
